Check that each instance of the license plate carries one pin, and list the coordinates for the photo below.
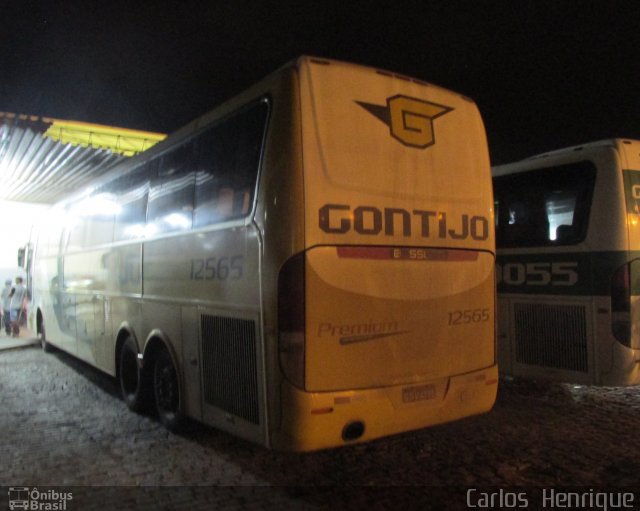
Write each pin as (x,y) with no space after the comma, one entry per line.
(418,393)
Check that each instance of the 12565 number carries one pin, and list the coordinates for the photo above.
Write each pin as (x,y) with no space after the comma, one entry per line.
(217,268)
(464,317)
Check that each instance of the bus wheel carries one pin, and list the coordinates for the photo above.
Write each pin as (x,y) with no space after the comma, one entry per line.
(131,384)
(43,340)
(167,391)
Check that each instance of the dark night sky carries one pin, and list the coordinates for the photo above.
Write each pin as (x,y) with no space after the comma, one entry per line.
(545,74)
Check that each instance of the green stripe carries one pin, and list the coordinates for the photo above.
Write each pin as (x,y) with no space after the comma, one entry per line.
(576,273)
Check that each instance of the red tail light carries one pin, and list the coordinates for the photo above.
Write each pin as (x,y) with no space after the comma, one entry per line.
(621,305)
(291,319)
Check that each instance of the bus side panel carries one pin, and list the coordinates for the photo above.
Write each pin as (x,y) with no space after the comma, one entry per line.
(630,164)
(209,279)
(555,314)
(630,151)
(85,282)
(280,218)
(49,298)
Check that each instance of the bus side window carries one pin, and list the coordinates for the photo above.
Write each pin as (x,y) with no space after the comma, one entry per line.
(171,193)
(232,203)
(132,191)
(204,212)
(76,229)
(227,168)
(224,203)
(241,202)
(101,219)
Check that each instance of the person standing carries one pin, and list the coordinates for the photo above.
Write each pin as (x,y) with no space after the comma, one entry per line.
(5,303)
(18,295)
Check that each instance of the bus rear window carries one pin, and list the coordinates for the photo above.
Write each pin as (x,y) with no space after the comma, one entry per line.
(546,206)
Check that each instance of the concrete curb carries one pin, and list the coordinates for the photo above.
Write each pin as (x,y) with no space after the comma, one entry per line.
(10,343)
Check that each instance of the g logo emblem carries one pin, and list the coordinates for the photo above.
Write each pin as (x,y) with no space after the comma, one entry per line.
(410,120)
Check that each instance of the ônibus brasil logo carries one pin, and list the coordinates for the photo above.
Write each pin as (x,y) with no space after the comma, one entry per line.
(22,497)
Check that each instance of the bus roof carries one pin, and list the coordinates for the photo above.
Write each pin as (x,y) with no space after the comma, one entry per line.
(534,161)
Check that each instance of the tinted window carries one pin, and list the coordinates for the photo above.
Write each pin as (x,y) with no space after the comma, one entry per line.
(227,166)
(90,221)
(131,191)
(101,220)
(207,179)
(547,206)
(170,205)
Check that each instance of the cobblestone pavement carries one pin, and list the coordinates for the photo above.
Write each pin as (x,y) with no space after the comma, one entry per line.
(63,428)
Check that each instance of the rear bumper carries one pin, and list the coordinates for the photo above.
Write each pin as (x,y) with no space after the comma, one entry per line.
(317,420)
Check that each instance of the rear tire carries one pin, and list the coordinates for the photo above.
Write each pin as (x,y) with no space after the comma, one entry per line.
(131,382)
(167,391)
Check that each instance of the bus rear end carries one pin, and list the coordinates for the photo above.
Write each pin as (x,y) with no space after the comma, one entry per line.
(387,317)
(568,264)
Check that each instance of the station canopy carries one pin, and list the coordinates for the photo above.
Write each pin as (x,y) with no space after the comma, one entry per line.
(42,159)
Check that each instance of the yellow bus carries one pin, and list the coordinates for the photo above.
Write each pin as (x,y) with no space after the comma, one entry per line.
(568,236)
(309,265)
